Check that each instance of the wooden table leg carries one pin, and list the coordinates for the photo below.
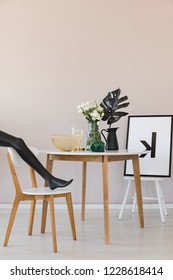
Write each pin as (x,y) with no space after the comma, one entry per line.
(84,166)
(136,170)
(49,167)
(105,198)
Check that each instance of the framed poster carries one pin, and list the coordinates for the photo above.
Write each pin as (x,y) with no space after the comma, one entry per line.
(152,133)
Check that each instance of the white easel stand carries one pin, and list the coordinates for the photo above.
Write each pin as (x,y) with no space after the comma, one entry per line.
(159,198)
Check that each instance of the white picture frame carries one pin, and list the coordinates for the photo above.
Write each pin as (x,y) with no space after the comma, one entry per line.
(153,133)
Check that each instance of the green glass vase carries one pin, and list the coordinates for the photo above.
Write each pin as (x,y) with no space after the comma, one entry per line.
(93,134)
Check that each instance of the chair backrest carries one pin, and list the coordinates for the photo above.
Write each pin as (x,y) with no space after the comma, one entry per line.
(15,161)
(15,158)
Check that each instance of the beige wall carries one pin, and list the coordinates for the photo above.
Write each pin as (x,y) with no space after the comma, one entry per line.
(55,54)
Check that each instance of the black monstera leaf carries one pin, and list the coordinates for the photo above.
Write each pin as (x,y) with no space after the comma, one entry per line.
(111,103)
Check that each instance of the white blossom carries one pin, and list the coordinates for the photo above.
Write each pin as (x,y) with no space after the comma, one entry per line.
(92,112)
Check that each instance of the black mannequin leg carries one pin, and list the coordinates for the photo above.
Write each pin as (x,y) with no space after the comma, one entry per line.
(7,140)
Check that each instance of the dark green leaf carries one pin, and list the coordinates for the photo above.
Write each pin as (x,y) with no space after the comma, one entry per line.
(111,103)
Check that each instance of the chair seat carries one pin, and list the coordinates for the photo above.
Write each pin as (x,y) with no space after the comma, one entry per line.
(47,191)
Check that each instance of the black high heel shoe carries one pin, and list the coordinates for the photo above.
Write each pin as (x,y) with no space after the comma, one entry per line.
(59,183)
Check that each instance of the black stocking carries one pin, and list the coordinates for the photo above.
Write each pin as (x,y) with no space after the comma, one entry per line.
(7,140)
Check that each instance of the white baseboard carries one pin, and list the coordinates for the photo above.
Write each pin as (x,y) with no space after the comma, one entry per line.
(88,206)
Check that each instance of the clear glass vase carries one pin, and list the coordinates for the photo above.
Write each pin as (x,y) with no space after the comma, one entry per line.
(92,135)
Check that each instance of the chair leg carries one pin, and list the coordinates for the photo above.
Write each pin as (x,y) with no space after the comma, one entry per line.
(11,220)
(52,217)
(31,218)
(125,199)
(44,216)
(71,214)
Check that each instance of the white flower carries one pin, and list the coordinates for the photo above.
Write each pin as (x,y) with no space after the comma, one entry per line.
(92,112)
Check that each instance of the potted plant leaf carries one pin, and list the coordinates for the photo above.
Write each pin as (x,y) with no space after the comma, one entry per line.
(111,104)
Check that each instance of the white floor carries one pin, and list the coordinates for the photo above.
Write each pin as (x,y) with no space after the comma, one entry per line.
(128,240)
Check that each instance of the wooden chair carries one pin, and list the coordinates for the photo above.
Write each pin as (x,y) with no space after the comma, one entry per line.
(33,194)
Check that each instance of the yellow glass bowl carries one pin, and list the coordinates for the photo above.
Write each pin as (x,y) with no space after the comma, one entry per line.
(67,142)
